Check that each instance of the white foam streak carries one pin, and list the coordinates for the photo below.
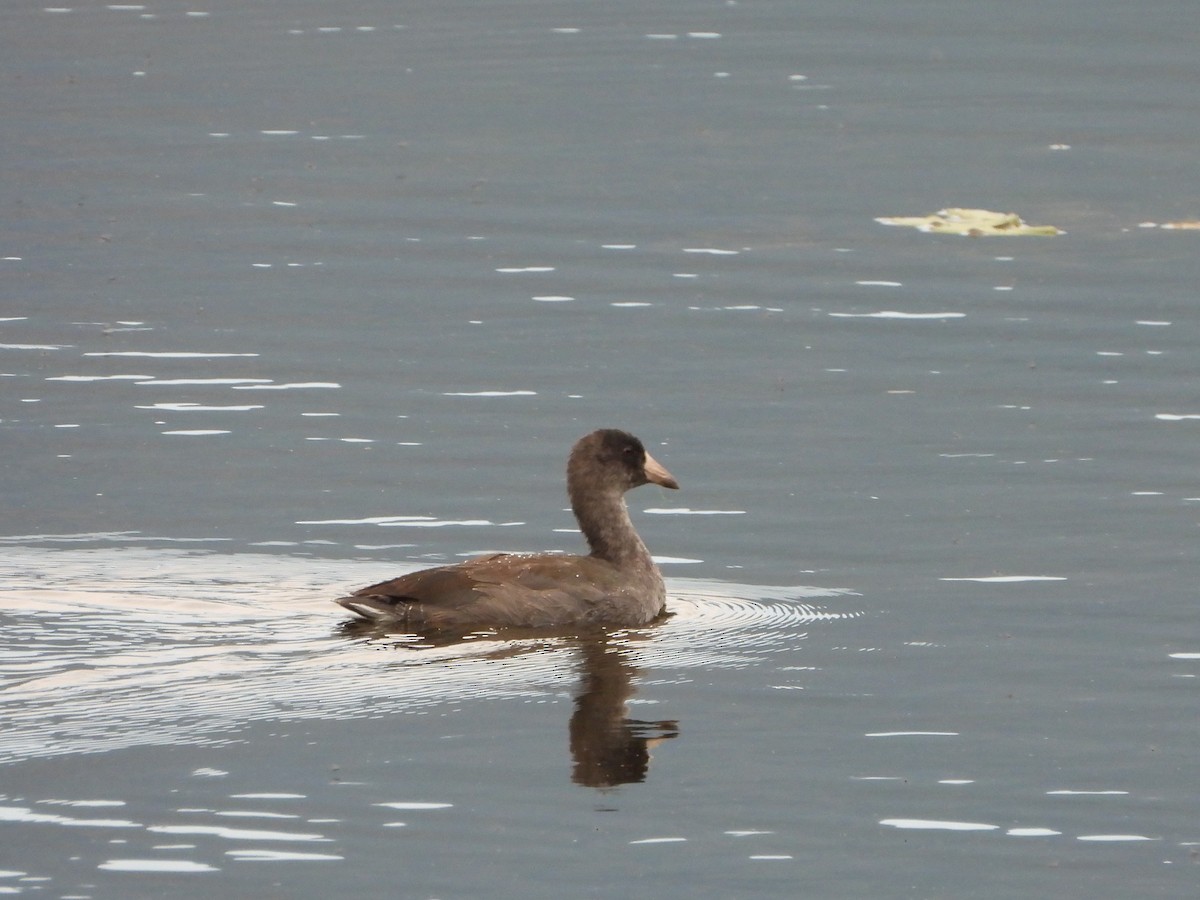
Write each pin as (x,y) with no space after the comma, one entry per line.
(281,856)
(184,382)
(167,354)
(938,825)
(98,378)
(894,314)
(25,814)
(172,866)
(237,834)
(490,394)
(197,407)
(687,511)
(291,386)
(1005,579)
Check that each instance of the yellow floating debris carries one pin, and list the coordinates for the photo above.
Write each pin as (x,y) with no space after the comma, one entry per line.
(1190,225)
(971,223)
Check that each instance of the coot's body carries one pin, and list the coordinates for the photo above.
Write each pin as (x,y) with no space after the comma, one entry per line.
(616,585)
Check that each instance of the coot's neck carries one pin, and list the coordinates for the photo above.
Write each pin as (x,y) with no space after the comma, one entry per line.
(604,520)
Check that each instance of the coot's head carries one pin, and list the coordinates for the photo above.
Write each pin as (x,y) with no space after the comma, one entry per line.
(614,459)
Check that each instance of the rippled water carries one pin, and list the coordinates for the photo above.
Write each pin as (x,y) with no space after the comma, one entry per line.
(118,648)
(298,297)
(115,655)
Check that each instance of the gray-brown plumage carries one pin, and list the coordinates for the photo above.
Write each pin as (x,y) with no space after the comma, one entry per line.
(616,585)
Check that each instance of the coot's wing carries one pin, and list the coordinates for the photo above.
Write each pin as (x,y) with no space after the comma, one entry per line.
(497,590)
(545,590)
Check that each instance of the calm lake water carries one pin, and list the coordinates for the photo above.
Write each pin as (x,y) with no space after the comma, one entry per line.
(302,296)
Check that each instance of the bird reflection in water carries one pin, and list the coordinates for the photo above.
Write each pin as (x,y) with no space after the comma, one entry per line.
(608,748)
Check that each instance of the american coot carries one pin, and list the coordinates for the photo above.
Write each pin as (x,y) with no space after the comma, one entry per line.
(616,585)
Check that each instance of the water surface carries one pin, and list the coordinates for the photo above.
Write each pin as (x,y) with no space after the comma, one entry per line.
(300,298)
